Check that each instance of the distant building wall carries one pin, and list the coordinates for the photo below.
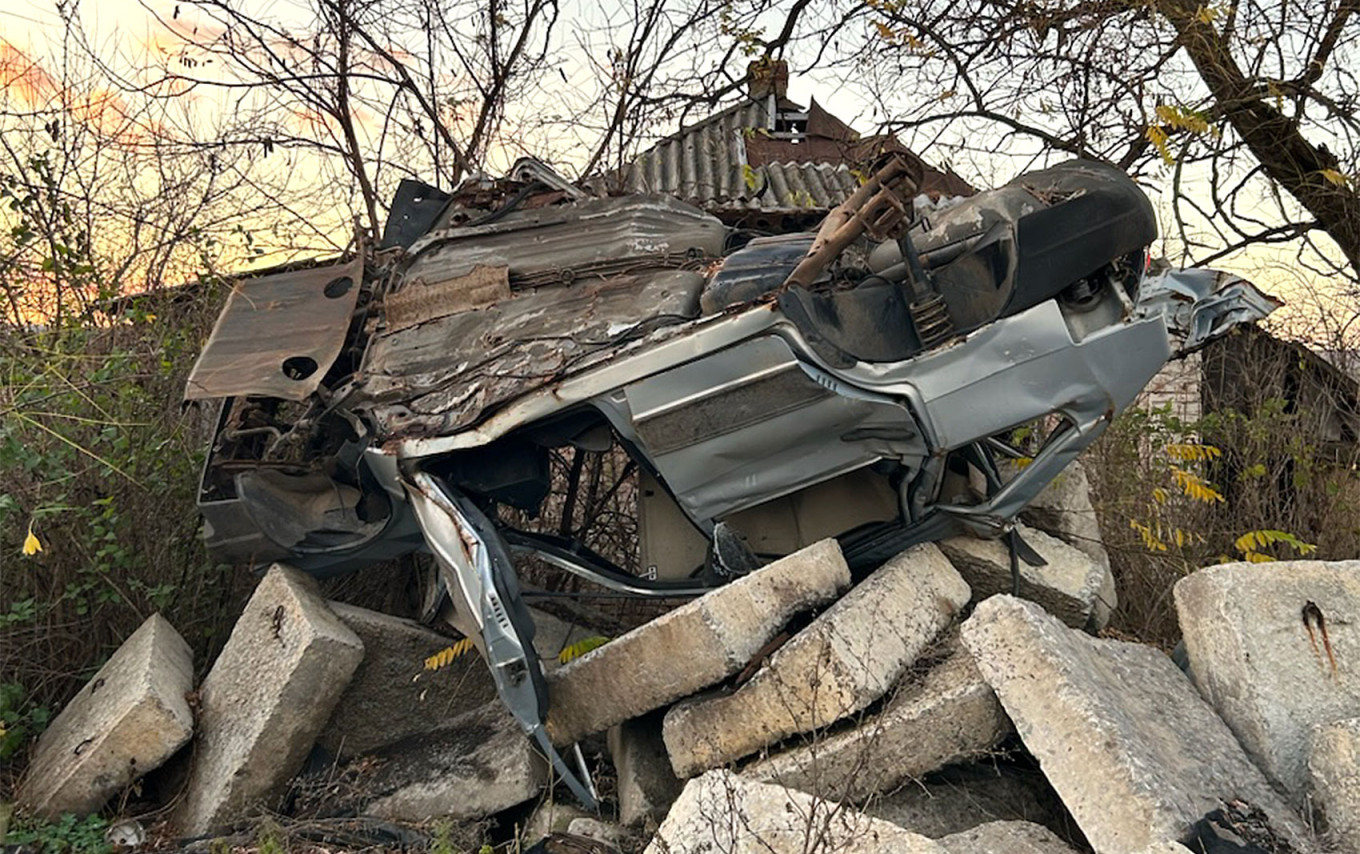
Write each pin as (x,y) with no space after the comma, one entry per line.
(1177,385)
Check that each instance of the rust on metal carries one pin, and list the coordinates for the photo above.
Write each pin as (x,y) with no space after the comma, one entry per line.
(419,301)
(878,208)
(1315,623)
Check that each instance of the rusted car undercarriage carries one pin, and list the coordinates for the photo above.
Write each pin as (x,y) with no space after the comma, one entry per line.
(408,398)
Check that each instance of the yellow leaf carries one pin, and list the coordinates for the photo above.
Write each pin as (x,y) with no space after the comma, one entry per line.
(1158,137)
(1192,451)
(750,176)
(1334,177)
(581,647)
(448,655)
(32,545)
(1195,486)
(1206,15)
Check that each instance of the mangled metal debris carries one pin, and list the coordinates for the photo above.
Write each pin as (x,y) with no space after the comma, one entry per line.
(737,376)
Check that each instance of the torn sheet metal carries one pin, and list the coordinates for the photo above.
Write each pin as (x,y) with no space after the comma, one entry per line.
(279,334)
(581,282)
(1199,305)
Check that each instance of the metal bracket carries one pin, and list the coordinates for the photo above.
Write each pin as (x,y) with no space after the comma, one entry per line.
(476,568)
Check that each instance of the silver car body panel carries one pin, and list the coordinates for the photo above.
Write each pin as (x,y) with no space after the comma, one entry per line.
(1000,376)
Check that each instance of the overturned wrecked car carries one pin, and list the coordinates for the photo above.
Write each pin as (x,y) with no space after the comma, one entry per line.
(413,396)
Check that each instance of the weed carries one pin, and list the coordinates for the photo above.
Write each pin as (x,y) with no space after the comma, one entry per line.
(269,839)
(67,835)
(20,720)
(442,841)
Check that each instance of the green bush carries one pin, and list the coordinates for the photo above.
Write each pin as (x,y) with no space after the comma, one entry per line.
(20,720)
(67,835)
(1174,496)
(98,471)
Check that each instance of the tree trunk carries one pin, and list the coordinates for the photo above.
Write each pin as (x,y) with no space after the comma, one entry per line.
(1288,158)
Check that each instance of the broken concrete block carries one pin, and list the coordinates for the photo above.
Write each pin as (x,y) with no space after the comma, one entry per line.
(549,817)
(607,833)
(696,645)
(1006,837)
(959,798)
(947,715)
(1269,646)
(646,785)
(1068,586)
(1136,755)
(392,695)
(475,765)
(1064,510)
(127,720)
(844,660)
(720,811)
(271,690)
(1334,772)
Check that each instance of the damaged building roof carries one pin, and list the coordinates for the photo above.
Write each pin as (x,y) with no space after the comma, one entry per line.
(767,154)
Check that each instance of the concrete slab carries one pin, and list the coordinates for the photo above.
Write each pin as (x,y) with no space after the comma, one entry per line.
(844,660)
(1334,774)
(721,812)
(392,695)
(959,798)
(1006,837)
(473,767)
(1271,646)
(610,836)
(1064,510)
(1136,755)
(271,690)
(130,718)
(646,785)
(549,817)
(945,715)
(1068,587)
(698,644)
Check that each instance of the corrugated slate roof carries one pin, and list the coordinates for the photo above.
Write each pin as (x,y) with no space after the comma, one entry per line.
(706,165)
(703,163)
(713,182)
(709,165)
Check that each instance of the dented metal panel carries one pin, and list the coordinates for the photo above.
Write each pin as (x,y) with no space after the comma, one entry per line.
(278,334)
(581,283)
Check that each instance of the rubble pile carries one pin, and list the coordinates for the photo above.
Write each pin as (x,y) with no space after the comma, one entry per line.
(923,709)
